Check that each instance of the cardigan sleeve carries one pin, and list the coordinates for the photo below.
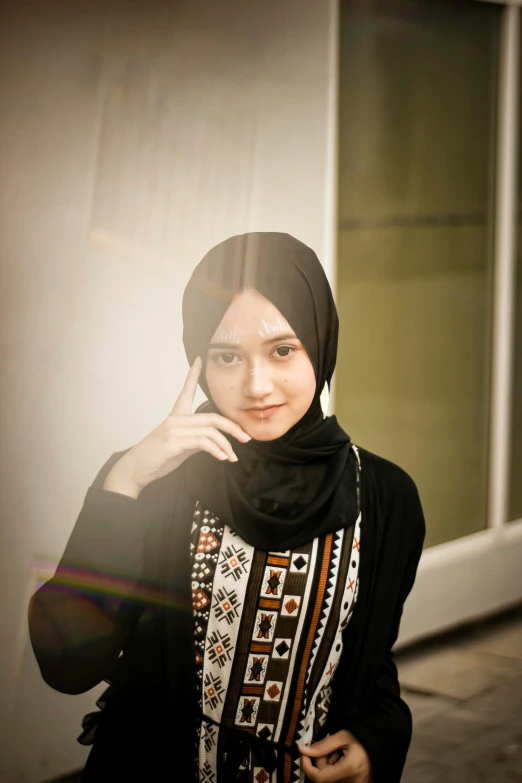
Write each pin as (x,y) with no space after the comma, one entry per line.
(385,727)
(80,618)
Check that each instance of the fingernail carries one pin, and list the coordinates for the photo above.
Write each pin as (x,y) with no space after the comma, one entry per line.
(247,437)
(234,458)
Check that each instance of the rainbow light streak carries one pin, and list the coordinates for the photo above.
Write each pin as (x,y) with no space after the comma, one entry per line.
(70,580)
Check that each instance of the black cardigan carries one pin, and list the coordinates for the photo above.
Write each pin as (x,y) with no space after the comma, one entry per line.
(80,620)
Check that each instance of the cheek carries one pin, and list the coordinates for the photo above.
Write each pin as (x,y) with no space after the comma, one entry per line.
(300,379)
(213,382)
(221,388)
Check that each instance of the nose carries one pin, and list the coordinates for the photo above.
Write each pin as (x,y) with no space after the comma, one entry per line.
(258,381)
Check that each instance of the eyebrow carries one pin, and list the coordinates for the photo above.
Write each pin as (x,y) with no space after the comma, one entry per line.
(278,339)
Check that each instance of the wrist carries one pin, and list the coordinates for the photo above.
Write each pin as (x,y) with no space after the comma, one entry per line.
(118,480)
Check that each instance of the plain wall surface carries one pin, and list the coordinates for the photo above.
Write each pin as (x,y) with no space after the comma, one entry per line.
(134,136)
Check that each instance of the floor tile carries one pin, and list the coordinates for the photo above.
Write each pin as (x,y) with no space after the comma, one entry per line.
(502,704)
(428,745)
(425,705)
(456,673)
(495,743)
(504,640)
(424,771)
(496,765)
(452,727)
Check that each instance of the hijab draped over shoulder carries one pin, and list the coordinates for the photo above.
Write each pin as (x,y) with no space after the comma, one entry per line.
(284,492)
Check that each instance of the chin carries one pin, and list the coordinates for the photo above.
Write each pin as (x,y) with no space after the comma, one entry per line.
(265,431)
(266,436)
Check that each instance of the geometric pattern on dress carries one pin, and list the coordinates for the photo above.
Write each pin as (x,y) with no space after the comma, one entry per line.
(264,626)
(265,730)
(293,613)
(208,753)
(273,690)
(247,710)
(218,648)
(313,614)
(323,704)
(254,688)
(226,605)
(230,583)
(214,689)
(260,775)
(331,586)
(207,772)
(221,570)
(299,563)
(291,605)
(282,648)
(211,736)
(257,665)
(318,705)
(206,536)
(273,580)
(235,559)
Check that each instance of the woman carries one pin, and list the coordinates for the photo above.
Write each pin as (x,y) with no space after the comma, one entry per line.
(248,559)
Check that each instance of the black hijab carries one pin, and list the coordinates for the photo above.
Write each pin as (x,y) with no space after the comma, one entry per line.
(284,492)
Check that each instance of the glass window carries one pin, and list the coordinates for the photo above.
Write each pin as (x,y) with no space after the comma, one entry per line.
(416,152)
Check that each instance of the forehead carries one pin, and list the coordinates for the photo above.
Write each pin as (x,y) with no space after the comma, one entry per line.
(250,313)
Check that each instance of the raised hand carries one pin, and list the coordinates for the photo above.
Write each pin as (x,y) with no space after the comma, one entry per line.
(182,434)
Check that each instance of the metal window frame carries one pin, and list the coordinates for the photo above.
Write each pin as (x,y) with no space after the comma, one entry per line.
(502,359)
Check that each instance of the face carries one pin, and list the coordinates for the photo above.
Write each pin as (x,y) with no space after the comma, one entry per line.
(257,370)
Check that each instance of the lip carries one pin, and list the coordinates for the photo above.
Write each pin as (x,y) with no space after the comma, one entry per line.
(265,412)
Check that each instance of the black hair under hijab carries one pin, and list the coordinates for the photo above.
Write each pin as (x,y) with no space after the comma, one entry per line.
(284,492)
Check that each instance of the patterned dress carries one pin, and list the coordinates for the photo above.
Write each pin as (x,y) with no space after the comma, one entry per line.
(268,638)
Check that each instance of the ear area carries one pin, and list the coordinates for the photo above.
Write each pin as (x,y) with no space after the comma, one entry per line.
(325,400)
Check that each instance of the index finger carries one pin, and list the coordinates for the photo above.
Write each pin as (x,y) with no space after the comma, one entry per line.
(222,423)
(186,396)
(323,747)
(330,774)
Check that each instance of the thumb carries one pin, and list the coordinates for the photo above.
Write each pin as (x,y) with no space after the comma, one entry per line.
(324,747)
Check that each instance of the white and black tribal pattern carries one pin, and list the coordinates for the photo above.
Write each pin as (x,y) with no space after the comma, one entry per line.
(268,638)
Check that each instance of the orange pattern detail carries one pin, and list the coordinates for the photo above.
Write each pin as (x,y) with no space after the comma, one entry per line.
(280,561)
(253,690)
(291,606)
(268,603)
(259,647)
(207,542)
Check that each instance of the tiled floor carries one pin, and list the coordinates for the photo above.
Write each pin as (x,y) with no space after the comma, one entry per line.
(465,693)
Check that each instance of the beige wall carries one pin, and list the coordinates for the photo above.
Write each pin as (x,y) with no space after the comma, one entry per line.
(132,139)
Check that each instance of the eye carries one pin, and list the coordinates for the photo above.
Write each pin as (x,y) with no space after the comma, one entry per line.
(284,351)
(224,358)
